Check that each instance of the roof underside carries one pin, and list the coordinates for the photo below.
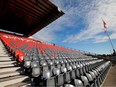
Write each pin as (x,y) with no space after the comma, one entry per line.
(27,16)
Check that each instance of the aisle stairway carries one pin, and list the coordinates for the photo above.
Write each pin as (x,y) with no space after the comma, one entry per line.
(11,74)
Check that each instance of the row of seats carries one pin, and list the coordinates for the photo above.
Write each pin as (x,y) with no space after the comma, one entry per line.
(78,76)
(54,66)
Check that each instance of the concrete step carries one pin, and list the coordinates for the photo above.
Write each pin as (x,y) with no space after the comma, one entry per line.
(5,58)
(8,62)
(12,80)
(3,51)
(21,84)
(3,48)
(9,69)
(4,54)
(6,65)
(9,74)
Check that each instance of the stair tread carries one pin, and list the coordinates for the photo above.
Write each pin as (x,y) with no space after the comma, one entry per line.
(8,74)
(7,62)
(6,65)
(19,84)
(11,67)
(5,56)
(5,59)
(1,57)
(12,78)
(7,69)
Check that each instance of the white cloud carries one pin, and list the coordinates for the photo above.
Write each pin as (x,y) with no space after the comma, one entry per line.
(44,35)
(99,39)
(113,36)
(73,12)
(98,8)
(90,11)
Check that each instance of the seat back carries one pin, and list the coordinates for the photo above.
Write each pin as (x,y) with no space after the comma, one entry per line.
(60,80)
(46,74)
(78,83)
(35,69)
(96,74)
(44,65)
(81,70)
(27,62)
(36,72)
(69,85)
(92,74)
(56,71)
(85,80)
(67,77)
(63,69)
(89,77)
(77,73)
(51,82)
(73,76)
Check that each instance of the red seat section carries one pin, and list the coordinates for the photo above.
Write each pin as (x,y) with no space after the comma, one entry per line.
(21,46)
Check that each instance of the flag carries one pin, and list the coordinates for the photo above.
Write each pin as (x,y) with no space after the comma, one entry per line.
(105,27)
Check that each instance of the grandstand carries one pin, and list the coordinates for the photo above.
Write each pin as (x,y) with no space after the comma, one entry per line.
(26,62)
(47,64)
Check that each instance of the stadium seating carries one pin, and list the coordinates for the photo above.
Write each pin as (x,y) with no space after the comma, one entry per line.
(55,66)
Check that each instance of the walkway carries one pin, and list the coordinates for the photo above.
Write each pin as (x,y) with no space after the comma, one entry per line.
(111,78)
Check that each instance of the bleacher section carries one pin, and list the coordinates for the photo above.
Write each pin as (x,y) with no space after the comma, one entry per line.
(49,65)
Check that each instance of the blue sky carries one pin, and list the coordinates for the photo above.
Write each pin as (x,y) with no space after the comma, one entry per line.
(81,26)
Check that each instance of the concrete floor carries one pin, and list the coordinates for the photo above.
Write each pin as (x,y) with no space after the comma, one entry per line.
(110,80)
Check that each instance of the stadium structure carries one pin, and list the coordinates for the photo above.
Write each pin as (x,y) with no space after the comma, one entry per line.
(26,62)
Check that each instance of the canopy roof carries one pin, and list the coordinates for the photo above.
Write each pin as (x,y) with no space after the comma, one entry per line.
(27,16)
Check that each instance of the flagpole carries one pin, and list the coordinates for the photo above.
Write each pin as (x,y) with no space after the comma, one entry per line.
(105,29)
(110,41)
